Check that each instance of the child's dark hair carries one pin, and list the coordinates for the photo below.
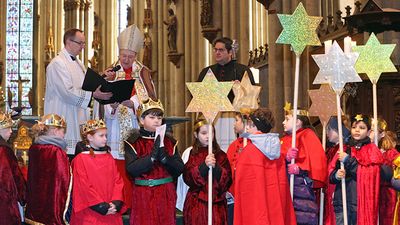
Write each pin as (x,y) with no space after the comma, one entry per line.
(305,122)
(196,143)
(361,118)
(263,119)
(153,111)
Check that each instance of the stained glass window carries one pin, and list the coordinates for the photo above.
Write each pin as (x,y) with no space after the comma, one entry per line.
(19,53)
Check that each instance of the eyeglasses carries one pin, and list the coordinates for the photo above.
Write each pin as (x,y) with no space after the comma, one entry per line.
(219,49)
(78,42)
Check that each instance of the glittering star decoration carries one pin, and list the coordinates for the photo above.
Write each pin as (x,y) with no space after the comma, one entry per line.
(246,95)
(336,68)
(299,29)
(358,117)
(374,58)
(323,103)
(209,96)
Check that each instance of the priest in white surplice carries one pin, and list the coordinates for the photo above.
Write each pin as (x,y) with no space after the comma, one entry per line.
(64,95)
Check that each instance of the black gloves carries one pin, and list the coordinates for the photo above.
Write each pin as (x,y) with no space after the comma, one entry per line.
(154,151)
(101,208)
(118,204)
(158,153)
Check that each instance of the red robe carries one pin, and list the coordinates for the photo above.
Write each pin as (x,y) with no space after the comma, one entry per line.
(329,211)
(234,149)
(196,203)
(311,156)
(48,184)
(96,180)
(12,188)
(262,195)
(388,196)
(153,205)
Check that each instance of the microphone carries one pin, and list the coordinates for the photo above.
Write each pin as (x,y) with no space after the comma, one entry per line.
(114,69)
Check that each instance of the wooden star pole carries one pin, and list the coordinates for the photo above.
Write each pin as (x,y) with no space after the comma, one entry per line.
(374,60)
(209,97)
(336,69)
(299,30)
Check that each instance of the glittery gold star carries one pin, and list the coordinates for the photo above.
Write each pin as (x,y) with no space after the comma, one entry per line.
(374,58)
(299,29)
(287,107)
(323,103)
(246,95)
(358,117)
(209,96)
(336,68)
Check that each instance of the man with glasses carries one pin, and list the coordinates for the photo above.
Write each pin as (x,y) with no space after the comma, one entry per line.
(226,69)
(64,95)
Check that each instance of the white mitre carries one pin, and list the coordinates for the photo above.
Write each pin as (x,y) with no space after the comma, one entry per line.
(131,39)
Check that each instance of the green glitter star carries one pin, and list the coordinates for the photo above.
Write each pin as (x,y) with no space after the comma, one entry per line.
(374,58)
(299,29)
(209,96)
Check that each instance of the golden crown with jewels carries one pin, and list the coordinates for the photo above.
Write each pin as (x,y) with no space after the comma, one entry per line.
(149,104)
(92,125)
(53,120)
(5,121)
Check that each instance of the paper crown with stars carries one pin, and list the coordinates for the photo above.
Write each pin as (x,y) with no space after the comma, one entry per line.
(5,121)
(360,117)
(92,125)
(53,120)
(149,104)
(289,111)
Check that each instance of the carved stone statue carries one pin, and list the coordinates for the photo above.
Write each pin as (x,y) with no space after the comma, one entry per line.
(206,16)
(172,30)
(147,50)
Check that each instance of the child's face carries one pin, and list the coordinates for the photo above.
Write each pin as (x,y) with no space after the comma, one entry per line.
(332,135)
(359,130)
(5,133)
(238,126)
(251,128)
(288,123)
(151,122)
(98,139)
(202,135)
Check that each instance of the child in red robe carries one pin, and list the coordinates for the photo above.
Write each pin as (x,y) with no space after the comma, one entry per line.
(195,176)
(310,167)
(49,173)
(388,196)
(13,187)
(262,193)
(153,168)
(233,152)
(362,161)
(332,148)
(97,196)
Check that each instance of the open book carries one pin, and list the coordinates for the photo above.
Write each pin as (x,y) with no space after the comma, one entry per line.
(121,89)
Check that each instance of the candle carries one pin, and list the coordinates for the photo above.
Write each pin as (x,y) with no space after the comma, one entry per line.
(328,45)
(347,44)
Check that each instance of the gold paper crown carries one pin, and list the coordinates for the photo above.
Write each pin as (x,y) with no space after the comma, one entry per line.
(200,121)
(382,124)
(92,125)
(149,104)
(53,120)
(5,120)
(289,111)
